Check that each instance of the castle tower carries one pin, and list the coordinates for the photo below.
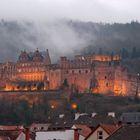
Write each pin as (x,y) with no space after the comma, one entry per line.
(23,57)
(37,56)
(47,59)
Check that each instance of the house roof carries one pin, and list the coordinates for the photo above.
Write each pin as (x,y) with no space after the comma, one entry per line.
(96,120)
(84,130)
(128,132)
(101,119)
(130,117)
(12,134)
(61,125)
(4,138)
(10,127)
(84,120)
(107,127)
(40,125)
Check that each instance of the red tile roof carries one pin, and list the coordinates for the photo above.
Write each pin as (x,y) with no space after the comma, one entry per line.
(110,129)
(128,132)
(10,127)
(4,138)
(12,134)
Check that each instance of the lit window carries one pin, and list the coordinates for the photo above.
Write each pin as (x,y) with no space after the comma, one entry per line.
(19,70)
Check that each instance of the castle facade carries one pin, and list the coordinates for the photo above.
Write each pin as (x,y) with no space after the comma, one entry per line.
(85,73)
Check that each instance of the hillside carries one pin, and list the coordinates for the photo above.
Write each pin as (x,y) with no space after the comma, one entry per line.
(19,108)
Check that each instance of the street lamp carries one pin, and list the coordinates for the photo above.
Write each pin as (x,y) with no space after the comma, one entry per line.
(52,106)
(74,106)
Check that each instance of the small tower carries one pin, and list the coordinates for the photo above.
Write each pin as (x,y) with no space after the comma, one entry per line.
(47,59)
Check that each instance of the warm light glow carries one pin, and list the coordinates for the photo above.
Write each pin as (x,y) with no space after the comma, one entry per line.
(52,106)
(74,106)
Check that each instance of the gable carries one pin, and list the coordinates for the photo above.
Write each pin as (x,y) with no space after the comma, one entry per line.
(94,135)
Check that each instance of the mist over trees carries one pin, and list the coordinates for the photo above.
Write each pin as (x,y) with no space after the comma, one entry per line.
(69,38)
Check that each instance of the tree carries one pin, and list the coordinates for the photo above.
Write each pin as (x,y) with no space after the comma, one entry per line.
(134,53)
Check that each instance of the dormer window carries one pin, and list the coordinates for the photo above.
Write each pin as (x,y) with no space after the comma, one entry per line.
(100,135)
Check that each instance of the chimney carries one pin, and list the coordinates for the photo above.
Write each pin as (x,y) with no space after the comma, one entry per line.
(27,134)
(76,134)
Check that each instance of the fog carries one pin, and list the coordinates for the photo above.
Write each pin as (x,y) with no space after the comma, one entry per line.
(58,37)
(32,24)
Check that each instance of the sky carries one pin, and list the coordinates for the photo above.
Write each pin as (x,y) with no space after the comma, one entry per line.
(84,10)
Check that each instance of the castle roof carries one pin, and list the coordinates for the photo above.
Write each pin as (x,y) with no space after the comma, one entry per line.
(37,56)
(23,57)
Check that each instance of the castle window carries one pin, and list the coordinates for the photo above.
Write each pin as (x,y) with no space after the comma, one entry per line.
(86,71)
(19,70)
(67,72)
(42,128)
(106,84)
(79,71)
(72,71)
(105,77)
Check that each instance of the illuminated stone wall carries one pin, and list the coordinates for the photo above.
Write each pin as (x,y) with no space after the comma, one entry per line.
(91,73)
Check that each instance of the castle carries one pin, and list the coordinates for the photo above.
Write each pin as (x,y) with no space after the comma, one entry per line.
(85,73)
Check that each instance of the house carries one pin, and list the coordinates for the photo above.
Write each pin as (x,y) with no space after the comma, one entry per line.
(127,132)
(130,118)
(12,135)
(84,130)
(15,133)
(69,134)
(102,131)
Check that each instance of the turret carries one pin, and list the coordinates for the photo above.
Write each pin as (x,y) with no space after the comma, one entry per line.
(37,56)
(47,59)
(23,57)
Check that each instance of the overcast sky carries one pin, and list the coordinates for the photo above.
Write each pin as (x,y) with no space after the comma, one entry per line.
(85,10)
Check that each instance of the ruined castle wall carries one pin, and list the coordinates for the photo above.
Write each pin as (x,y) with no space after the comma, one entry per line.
(80,78)
(55,78)
(104,73)
(125,83)
(99,73)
